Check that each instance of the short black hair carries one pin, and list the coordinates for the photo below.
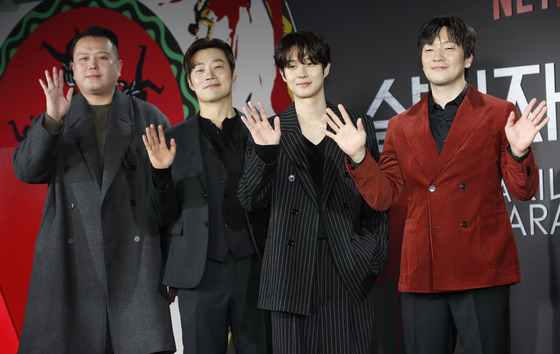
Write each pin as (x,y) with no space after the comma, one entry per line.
(308,45)
(458,30)
(206,43)
(97,31)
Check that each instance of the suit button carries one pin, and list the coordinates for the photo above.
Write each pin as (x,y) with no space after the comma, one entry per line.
(351,237)
(295,212)
(205,196)
(432,188)
(346,174)
(291,178)
(290,242)
(463,186)
(345,206)
(70,241)
(205,223)
(136,239)
(464,224)
(133,202)
(66,169)
(132,167)
(71,206)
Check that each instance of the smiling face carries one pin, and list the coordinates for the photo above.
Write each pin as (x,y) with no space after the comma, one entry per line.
(211,77)
(444,62)
(96,68)
(306,79)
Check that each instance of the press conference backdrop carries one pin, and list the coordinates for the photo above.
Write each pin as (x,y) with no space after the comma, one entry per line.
(375,69)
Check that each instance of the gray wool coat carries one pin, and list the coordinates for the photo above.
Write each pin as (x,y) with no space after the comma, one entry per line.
(98,257)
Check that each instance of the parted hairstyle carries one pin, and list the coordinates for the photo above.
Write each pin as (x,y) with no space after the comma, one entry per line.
(205,43)
(458,30)
(309,45)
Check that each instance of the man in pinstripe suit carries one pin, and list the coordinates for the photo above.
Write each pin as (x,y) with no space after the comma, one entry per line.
(325,245)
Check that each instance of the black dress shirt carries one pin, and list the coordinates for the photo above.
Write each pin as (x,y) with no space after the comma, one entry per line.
(442,118)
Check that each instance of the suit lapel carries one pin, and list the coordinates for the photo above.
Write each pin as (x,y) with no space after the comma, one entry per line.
(191,151)
(294,147)
(470,114)
(82,129)
(416,129)
(119,134)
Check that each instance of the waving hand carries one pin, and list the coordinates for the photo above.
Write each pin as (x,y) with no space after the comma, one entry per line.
(261,130)
(57,104)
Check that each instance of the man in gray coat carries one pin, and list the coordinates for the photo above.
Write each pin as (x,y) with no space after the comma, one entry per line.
(96,280)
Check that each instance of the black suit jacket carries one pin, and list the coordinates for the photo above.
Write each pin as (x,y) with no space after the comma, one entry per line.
(356,234)
(183,204)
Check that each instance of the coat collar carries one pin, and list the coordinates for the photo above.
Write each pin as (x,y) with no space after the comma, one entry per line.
(416,129)
(119,134)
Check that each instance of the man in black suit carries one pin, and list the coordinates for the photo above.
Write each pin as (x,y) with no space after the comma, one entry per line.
(325,245)
(213,262)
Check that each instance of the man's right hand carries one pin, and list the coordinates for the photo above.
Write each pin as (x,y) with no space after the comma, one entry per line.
(57,104)
(161,156)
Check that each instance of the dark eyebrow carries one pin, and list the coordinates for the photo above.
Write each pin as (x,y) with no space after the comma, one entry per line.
(213,61)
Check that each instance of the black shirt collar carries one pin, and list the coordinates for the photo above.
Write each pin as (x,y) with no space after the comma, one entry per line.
(457,101)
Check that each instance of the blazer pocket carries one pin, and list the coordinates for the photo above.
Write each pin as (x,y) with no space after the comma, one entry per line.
(177,229)
(497,243)
(409,254)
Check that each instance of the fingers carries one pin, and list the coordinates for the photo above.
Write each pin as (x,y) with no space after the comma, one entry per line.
(277,124)
(510,119)
(69,93)
(333,118)
(150,138)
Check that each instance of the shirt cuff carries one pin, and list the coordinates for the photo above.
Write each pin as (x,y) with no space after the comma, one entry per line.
(518,159)
(267,153)
(353,164)
(161,177)
(52,126)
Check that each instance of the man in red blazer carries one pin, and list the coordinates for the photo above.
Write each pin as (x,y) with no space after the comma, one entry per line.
(451,151)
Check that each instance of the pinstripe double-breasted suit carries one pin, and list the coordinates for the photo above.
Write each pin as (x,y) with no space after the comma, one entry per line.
(356,235)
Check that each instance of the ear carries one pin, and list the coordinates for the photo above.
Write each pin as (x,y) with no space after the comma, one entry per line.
(189,82)
(468,61)
(326,70)
(119,65)
(282,74)
(234,76)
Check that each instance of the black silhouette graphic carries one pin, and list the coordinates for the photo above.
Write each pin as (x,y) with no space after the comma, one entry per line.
(65,59)
(19,136)
(138,86)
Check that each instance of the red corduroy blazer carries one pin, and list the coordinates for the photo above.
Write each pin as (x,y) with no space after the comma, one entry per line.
(458,233)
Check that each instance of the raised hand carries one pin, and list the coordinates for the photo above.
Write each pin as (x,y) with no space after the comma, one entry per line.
(57,104)
(521,134)
(261,130)
(350,139)
(160,155)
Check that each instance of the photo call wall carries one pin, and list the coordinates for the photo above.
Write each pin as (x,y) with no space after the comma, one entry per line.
(375,69)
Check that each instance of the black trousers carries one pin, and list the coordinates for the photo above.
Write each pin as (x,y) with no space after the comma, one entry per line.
(225,299)
(479,318)
(336,324)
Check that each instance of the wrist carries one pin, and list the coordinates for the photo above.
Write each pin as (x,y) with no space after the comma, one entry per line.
(359,156)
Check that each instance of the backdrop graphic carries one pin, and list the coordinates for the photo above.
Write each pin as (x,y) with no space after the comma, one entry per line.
(375,69)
